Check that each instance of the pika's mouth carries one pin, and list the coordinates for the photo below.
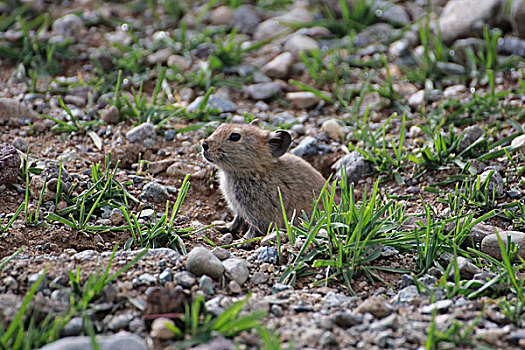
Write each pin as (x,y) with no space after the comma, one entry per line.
(206,156)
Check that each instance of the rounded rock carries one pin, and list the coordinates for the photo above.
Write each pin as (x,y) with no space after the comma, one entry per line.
(201,261)
(490,244)
(236,269)
(299,43)
(160,330)
(334,129)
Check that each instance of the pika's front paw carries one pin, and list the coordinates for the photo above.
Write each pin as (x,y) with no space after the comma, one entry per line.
(235,227)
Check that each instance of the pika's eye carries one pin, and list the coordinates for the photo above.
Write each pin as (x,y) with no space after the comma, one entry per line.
(235,137)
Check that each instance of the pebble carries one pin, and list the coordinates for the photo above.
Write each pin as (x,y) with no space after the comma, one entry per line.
(441,306)
(417,99)
(221,253)
(236,269)
(309,147)
(246,18)
(202,261)
(69,26)
(303,99)
(495,183)
(466,269)
(454,91)
(334,129)
(21,144)
(120,321)
(154,192)
(160,56)
(259,277)
(222,16)
(86,255)
(490,244)
(160,330)
(111,115)
(185,279)
(300,43)
(278,67)
(214,102)
(9,164)
(347,319)
(184,64)
(263,91)
(126,341)
(376,306)
(206,285)
(72,328)
(141,132)
(472,134)
(355,165)
(517,144)
(267,255)
(234,287)
(147,214)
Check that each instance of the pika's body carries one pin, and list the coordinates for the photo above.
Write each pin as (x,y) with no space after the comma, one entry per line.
(253,164)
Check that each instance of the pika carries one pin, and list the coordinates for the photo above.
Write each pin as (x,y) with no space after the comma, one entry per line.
(253,164)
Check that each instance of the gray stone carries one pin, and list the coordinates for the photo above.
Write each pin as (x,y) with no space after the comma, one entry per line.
(465,267)
(85,255)
(490,244)
(221,253)
(214,102)
(399,48)
(147,214)
(454,91)
(218,342)
(160,56)
(334,129)
(259,277)
(222,16)
(309,147)
(154,192)
(279,66)
(182,63)
(263,91)
(347,319)
(9,164)
(518,144)
(246,18)
(408,295)
(267,255)
(120,321)
(355,165)
(185,279)
(495,183)
(236,269)
(206,285)
(160,330)
(111,115)
(280,287)
(112,342)
(472,134)
(450,68)
(72,328)
(391,12)
(147,279)
(417,99)
(21,144)
(376,306)
(455,24)
(141,132)
(202,261)
(69,26)
(299,43)
(441,306)
(303,99)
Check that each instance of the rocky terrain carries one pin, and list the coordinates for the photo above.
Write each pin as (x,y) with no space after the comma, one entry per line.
(108,212)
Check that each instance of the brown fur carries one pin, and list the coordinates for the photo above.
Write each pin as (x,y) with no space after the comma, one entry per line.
(252,168)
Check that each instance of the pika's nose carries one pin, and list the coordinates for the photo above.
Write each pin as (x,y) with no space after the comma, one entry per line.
(205,145)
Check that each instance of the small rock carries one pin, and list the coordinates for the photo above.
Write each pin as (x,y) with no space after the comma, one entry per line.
(303,99)
(236,269)
(465,267)
(454,91)
(451,68)
(399,48)
(263,91)
(117,217)
(120,321)
(441,306)
(202,261)
(159,330)
(182,63)
(111,115)
(517,144)
(334,129)
(267,255)
(124,340)
(259,277)
(160,56)
(9,164)
(495,183)
(376,306)
(417,99)
(279,66)
(299,43)
(142,132)
(472,134)
(147,214)
(309,147)
(69,26)
(86,255)
(347,319)
(246,18)
(234,287)
(221,253)
(206,285)
(73,327)
(490,244)
(222,16)
(154,192)
(21,144)
(185,279)
(355,165)
(214,102)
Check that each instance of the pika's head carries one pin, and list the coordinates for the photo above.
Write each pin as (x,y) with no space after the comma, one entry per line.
(239,147)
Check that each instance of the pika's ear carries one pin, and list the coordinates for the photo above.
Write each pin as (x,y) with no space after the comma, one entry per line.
(256,122)
(279,141)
